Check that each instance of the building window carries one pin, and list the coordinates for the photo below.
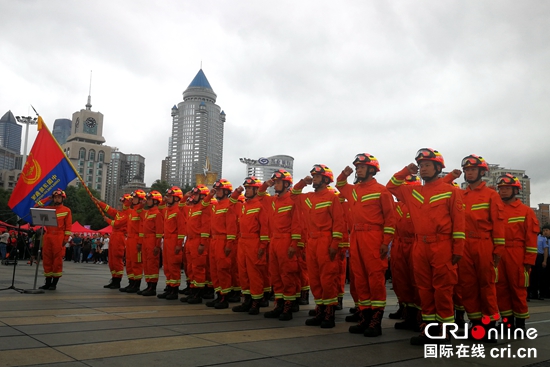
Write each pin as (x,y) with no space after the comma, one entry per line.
(91,155)
(100,156)
(82,153)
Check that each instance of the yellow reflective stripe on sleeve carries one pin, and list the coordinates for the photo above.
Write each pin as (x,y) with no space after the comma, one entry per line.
(295,192)
(341,183)
(308,203)
(459,235)
(442,196)
(480,206)
(204,204)
(62,214)
(418,196)
(396,182)
(371,196)
(262,193)
(324,204)
(343,245)
(181,236)
(301,244)
(516,219)
(499,241)
(151,216)
(264,238)
(106,208)
(135,218)
(141,235)
(68,233)
(389,230)
(337,235)
(233,201)
(158,235)
(284,209)
(173,215)
(296,236)
(231,236)
(531,250)
(205,235)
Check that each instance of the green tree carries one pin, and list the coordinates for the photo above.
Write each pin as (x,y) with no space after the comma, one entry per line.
(83,208)
(160,186)
(6,215)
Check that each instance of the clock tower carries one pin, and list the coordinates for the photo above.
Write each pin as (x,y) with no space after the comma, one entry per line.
(86,150)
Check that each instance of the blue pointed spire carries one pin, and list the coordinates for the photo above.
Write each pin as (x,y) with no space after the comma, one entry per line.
(200,81)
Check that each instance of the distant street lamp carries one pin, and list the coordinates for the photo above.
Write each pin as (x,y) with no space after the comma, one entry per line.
(27,121)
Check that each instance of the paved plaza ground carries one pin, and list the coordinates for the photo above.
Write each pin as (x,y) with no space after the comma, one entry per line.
(83,324)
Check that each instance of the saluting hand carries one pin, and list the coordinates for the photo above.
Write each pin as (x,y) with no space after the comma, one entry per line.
(308,180)
(347,171)
(413,168)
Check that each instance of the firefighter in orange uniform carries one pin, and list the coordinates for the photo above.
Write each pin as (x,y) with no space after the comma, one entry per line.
(519,256)
(285,235)
(437,212)
(223,232)
(484,243)
(53,247)
(172,254)
(152,229)
(117,244)
(326,227)
(134,263)
(196,245)
(373,228)
(253,242)
(401,264)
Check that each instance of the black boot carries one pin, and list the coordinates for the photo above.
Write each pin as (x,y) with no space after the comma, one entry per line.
(364,321)
(312,312)
(295,306)
(410,323)
(487,338)
(115,284)
(319,316)
(186,290)
(255,307)
(234,297)
(398,315)
(167,291)
(196,296)
(173,295)
(47,285)
(245,306)
(520,323)
(356,317)
(213,303)
(140,291)
(473,324)
(421,339)
(375,325)
(459,318)
(53,287)
(304,297)
(509,323)
(286,315)
(277,311)
(328,321)
(223,303)
(135,286)
(110,282)
(208,293)
(340,306)
(125,289)
(151,291)
(264,302)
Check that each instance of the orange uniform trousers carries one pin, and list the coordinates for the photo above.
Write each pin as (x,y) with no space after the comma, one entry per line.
(220,265)
(196,263)
(352,289)
(435,276)
(512,283)
(151,262)
(402,272)
(323,273)
(171,263)
(117,244)
(369,268)
(53,251)
(284,272)
(134,261)
(303,273)
(477,276)
(254,270)
(235,282)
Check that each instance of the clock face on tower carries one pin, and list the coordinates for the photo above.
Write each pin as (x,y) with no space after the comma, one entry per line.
(90,122)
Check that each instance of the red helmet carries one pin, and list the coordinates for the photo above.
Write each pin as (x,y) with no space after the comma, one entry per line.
(175,191)
(155,195)
(60,193)
(139,193)
(223,184)
(429,154)
(200,189)
(508,180)
(281,174)
(474,161)
(412,180)
(125,197)
(252,182)
(321,169)
(367,159)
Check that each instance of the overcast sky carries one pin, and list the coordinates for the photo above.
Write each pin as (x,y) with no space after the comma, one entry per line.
(317,80)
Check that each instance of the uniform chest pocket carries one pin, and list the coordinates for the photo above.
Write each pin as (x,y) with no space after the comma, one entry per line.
(438,209)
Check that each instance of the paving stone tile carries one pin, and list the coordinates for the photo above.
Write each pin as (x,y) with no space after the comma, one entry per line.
(19,342)
(28,357)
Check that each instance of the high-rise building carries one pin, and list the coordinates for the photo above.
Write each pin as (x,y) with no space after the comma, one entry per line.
(197,133)
(10,133)
(495,171)
(61,130)
(9,159)
(86,149)
(263,168)
(543,213)
(124,168)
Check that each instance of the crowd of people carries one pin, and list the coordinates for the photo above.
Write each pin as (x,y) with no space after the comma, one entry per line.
(87,247)
(454,253)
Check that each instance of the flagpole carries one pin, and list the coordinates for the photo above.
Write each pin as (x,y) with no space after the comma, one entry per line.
(42,124)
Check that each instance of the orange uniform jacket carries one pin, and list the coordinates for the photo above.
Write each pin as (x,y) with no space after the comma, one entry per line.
(224,221)
(284,216)
(64,222)
(522,228)
(436,209)
(152,224)
(198,221)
